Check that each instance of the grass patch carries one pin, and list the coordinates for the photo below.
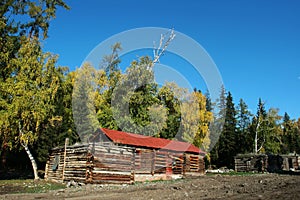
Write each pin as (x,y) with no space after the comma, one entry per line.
(160,181)
(234,174)
(28,186)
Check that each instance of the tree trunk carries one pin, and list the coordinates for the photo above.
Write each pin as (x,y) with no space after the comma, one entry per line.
(3,158)
(33,163)
(255,143)
(256,137)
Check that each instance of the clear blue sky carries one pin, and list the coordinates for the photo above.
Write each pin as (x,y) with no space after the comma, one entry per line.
(254,43)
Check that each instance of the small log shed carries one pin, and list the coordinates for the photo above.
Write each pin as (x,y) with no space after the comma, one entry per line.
(266,162)
(121,157)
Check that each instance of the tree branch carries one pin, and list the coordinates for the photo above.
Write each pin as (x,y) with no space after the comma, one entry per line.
(163,45)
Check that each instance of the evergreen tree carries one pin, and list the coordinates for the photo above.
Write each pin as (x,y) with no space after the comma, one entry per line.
(108,77)
(110,63)
(169,95)
(287,134)
(135,105)
(209,104)
(266,130)
(297,135)
(244,139)
(226,143)
(290,135)
(83,102)
(217,125)
(259,127)
(62,126)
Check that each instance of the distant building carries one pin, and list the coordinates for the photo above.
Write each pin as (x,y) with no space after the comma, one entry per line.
(266,163)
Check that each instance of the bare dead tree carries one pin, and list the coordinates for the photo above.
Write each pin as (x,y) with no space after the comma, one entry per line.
(158,52)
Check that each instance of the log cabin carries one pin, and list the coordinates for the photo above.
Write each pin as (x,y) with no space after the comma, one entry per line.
(267,163)
(119,157)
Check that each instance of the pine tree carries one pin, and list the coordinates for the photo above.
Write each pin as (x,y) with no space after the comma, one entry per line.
(216,126)
(83,102)
(297,135)
(287,135)
(244,139)
(290,135)
(209,104)
(227,145)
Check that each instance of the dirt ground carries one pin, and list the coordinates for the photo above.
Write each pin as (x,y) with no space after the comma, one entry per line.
(258,186)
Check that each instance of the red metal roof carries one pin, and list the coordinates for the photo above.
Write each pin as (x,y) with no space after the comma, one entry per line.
(120,137)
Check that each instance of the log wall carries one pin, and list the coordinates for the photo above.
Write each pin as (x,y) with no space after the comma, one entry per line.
(75,165)
(106,163)
(251,163)
(263,162)
(112,164)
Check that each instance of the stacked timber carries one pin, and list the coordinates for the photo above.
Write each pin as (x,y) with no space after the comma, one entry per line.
(72,167)
(76,163)
(54,165)
(143,161)
(201,166)
(112,164)
(178,163)
(194,163)
(106,163)
(278,163)
(160,162)
(251,163)
(290,162)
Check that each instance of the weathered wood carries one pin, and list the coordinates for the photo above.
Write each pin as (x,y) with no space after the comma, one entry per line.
(107,163)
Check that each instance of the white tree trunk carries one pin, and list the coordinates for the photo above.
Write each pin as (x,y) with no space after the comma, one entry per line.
(256,137)
(32,160)
(256,148)
(255,143)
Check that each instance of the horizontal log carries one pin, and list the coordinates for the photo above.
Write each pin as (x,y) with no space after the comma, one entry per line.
(83,162)
(110,155)
(113,164)
(75,170)
(143,172)
(75,176)
(111,172)
(111,182)
(113,146)
(77,167)
(112,150)
(105,175)
(112,169)
(113,160)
